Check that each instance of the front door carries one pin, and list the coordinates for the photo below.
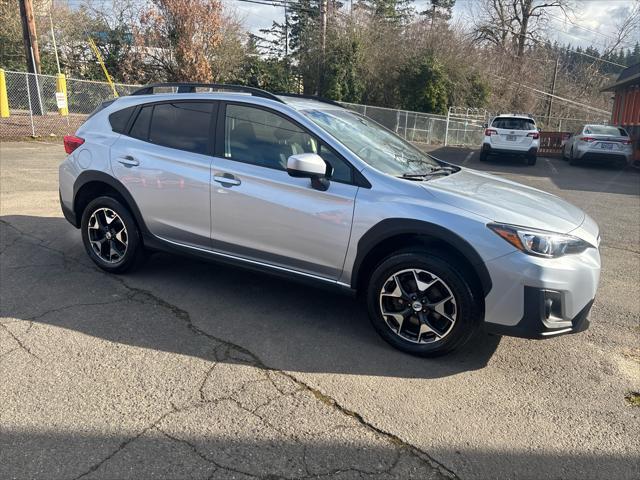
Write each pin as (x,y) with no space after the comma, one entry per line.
(260,213)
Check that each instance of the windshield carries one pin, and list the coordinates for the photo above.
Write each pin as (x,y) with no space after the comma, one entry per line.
(374,144)
(604,130)
(514,123)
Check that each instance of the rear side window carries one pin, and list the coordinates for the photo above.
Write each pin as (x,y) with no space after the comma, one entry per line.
(120,119)
(140,128)
(514,123)
(183,125)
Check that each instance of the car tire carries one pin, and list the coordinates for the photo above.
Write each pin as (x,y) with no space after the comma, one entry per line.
(572,161)
(426,329)
(483,156)
(531,159)
(110,235)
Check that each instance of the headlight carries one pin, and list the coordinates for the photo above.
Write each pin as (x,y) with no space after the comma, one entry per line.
(539,242)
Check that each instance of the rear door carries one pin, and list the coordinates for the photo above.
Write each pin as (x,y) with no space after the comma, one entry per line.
(164,160)
(262,214)
(512,132)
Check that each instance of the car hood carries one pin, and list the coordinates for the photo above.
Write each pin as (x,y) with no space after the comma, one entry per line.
(504,201)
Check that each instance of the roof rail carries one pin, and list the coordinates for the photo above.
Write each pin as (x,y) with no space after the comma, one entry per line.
(190,87)
(311,97)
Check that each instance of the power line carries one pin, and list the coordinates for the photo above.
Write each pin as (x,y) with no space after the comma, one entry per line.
(568,49)
(280,4)
(567,19)
(550,95)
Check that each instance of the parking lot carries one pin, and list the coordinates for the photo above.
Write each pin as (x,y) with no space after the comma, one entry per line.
(187,369)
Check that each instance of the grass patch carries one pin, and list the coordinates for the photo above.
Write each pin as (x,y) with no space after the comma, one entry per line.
(633,399)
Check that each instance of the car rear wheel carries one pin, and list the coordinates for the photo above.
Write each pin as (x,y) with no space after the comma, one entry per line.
(531,159)
(483,156)
(421,304)
(572,161)
(110,235)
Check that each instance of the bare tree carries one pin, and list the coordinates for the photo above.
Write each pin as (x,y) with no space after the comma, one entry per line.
(513,24)
(626,29)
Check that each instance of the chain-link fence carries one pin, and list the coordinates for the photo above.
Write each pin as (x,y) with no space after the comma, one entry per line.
(34,112)
(414,126)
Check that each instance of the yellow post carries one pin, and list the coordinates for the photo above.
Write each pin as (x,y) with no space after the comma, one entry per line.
(4,100)
(93,46)
(61,95)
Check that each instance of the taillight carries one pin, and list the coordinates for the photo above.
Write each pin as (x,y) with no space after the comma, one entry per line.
(534,135)
(490,131)
(587,139)
(626,142)
(71,142)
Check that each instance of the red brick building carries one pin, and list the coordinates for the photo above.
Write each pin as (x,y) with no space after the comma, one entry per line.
(626,104)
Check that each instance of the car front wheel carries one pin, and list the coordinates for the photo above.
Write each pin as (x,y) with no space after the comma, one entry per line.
(110,235)
(422,304)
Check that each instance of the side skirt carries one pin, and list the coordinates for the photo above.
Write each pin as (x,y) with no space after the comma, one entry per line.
(155,243)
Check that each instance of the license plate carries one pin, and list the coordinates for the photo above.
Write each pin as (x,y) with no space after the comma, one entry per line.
(606,146)
(511,138)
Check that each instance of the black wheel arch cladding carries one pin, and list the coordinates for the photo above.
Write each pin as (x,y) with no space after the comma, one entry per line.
(393,227)
(90,176)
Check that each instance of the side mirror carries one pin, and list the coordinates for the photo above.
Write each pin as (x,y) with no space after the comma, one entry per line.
(309,165)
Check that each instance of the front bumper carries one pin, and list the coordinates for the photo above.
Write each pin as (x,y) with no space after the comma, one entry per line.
(535,297)
(539,320)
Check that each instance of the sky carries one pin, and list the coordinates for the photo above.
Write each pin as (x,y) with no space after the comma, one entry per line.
(592,22)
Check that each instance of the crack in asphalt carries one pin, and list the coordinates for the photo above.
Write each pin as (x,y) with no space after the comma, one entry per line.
(145,296)
(122,446)
(21,344)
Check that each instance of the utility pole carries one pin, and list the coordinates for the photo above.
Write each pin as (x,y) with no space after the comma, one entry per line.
(323,19)
(32,53)
(29,36)
(286,45)
(553,91)
(323,42)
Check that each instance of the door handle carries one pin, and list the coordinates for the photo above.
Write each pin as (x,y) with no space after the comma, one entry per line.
(226,179)
(128,161)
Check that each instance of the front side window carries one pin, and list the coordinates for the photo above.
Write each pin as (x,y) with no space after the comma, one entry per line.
(259,137)
(374,144)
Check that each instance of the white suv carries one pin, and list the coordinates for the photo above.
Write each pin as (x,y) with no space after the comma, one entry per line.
(511,134)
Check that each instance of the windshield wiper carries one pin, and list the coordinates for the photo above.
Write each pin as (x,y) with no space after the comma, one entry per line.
(441,170)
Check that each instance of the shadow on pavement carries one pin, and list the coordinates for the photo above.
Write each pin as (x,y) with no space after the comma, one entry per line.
(590,177)
(182,455)
(293,327)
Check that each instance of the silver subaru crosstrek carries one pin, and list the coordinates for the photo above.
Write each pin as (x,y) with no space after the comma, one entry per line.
(305,188)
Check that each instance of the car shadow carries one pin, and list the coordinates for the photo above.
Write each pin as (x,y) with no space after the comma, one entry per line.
(48,278)
(587,177)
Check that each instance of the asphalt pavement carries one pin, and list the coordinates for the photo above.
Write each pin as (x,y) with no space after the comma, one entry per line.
(188,369)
